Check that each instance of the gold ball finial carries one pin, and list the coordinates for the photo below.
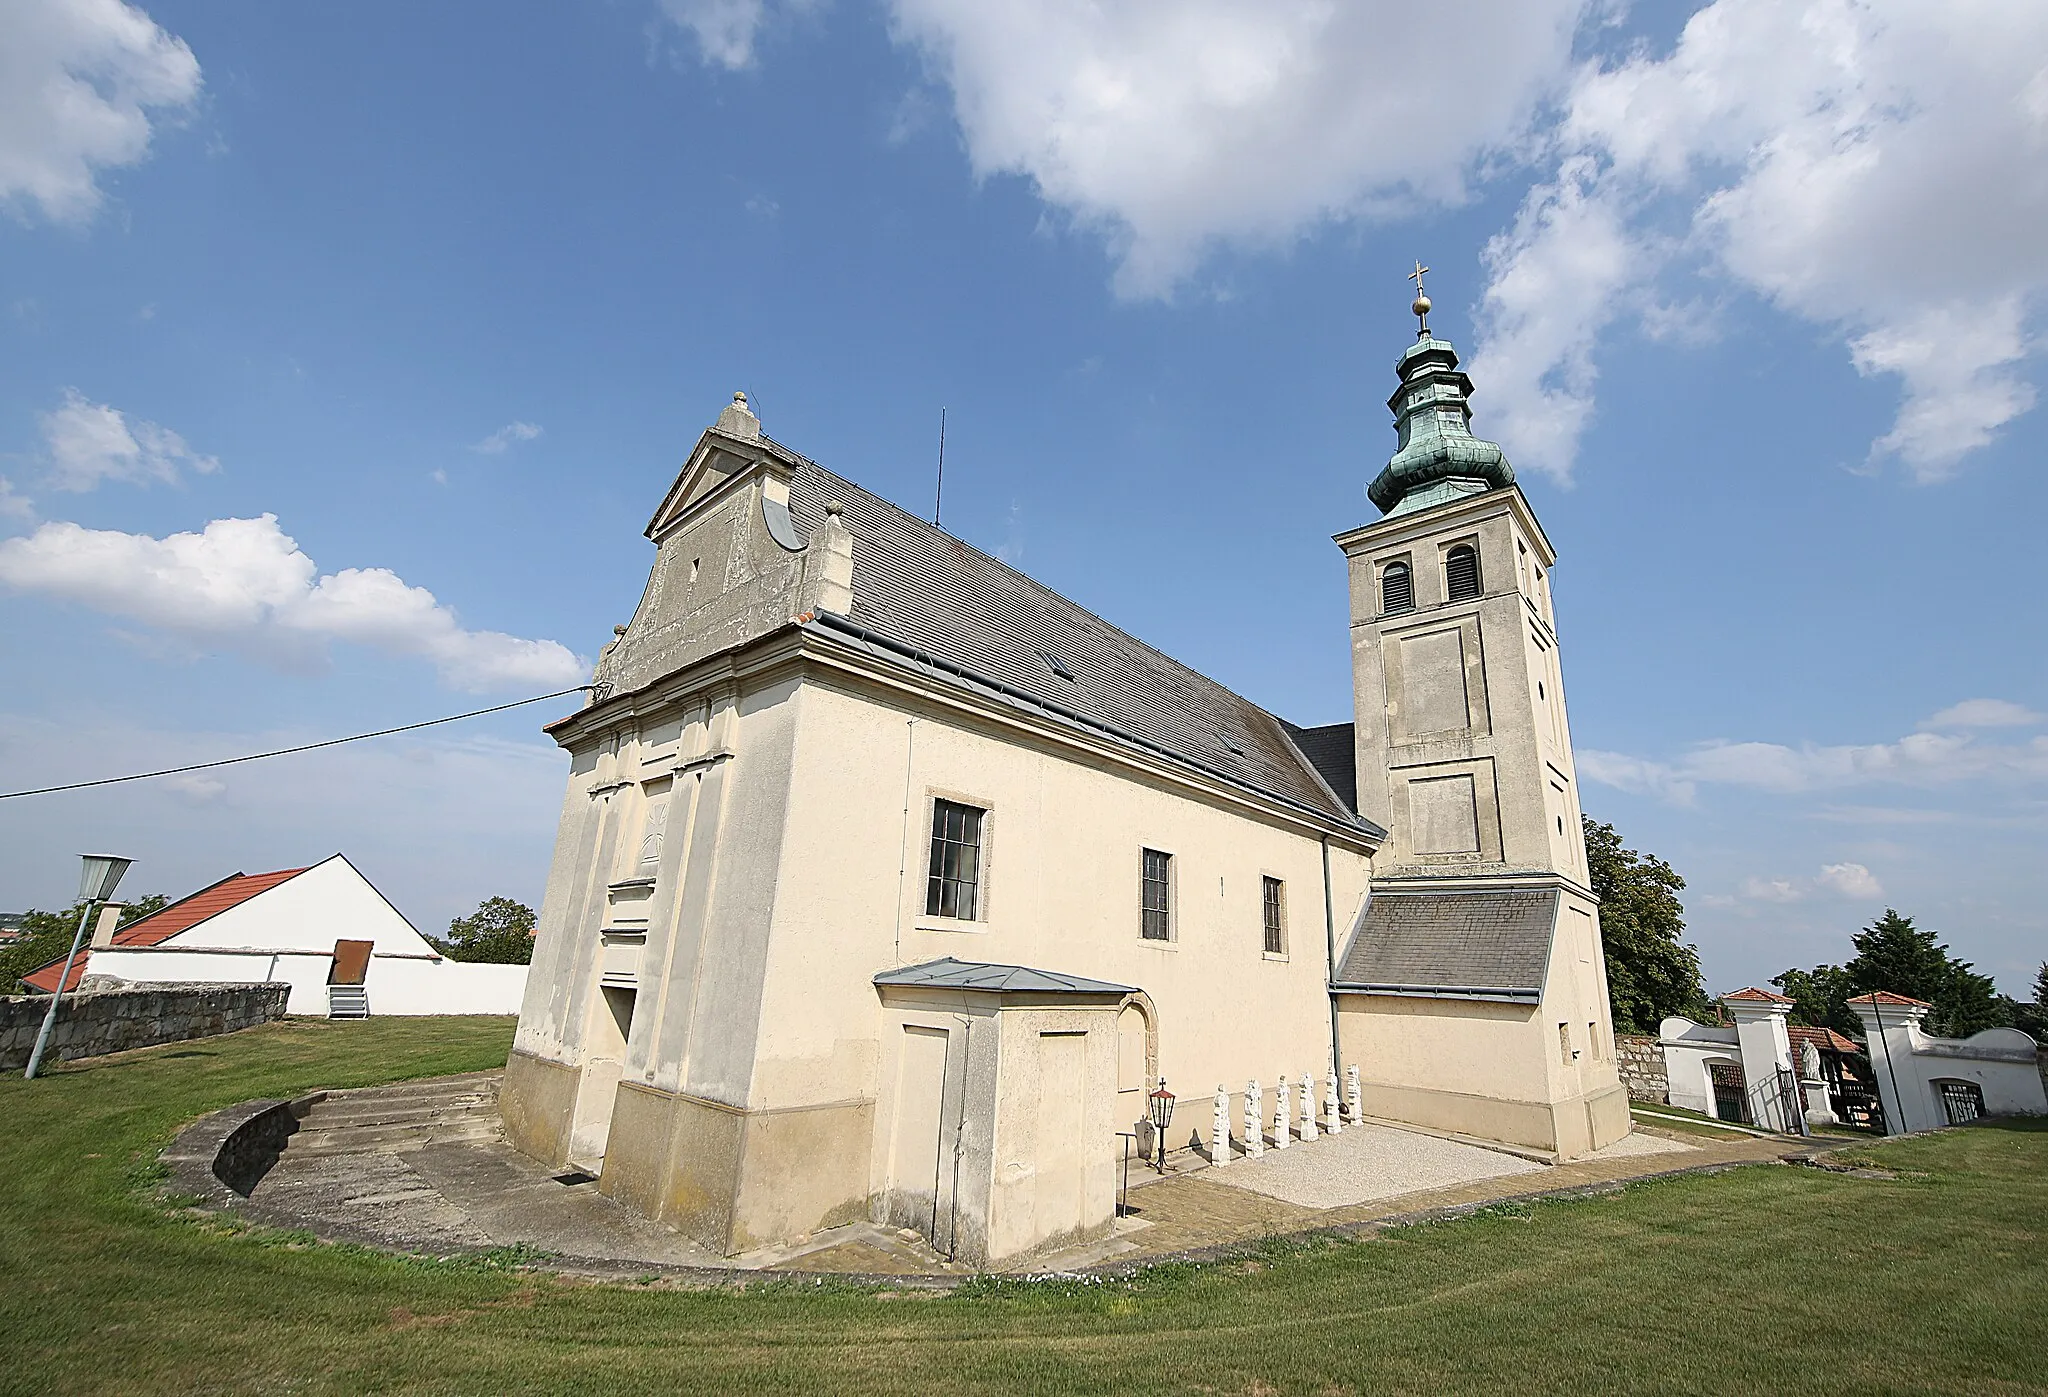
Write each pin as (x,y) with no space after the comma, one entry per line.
(1420,307)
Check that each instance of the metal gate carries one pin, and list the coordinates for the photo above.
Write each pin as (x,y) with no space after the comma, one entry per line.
(1730,1100)
(1963,1101)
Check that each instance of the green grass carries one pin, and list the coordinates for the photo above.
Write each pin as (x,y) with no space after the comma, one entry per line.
(1763,1279)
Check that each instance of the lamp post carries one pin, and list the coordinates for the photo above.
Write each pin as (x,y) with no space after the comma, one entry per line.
(97,880)
(1159,1109)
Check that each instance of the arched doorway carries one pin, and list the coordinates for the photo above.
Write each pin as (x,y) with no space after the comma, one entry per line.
(1137,1058)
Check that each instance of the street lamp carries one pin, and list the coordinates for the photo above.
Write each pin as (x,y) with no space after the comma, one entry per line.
(1159,1108)
(97,880)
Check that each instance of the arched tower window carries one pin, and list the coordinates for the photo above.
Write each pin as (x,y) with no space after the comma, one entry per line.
(1461,573)
(1397,589)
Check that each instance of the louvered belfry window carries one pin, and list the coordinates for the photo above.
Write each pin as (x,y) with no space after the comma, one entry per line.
(954,886)
(1397,589)
(1461,573)
(1156,888)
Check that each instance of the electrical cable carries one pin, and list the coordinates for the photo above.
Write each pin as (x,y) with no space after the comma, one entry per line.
(288,751)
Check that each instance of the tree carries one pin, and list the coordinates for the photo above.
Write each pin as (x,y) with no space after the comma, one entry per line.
(500,931)
(1820,997)
(1893,954)
(46,936)
(2031,1016)
(1651,973)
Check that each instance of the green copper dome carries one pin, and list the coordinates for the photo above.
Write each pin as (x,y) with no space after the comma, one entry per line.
(1438,458)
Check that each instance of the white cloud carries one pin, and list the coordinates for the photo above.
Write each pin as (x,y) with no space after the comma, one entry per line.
(79,83)
(1873,169)
(1772,890)
(246,585)
(1850,880)
(14,504)
(496,443)
(1985,713)
(90,442)
(1175,127)
(726,32)
(1920,759)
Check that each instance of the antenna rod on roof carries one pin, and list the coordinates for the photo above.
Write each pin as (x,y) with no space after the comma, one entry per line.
(940,493)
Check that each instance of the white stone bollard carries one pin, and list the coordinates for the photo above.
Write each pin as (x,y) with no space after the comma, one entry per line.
(1219,1129)
(1254,1119)
(1308,1105)
(1283,1106)
(1353,1095)
(1332,1115)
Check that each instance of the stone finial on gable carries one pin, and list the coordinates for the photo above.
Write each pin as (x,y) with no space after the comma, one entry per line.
(738,419)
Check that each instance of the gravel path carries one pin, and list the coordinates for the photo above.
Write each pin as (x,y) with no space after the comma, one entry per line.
(1370,1162)
(1364,1163)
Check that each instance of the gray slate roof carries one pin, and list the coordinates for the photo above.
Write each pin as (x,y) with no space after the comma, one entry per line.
(1332,750)
(924,588)
(1480,942)
(995,979)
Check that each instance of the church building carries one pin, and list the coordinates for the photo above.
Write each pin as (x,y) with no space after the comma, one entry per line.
(889,883)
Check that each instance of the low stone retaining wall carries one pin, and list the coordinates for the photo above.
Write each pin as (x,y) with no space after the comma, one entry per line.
(137,1016)
(219,1159)
(1641,1063)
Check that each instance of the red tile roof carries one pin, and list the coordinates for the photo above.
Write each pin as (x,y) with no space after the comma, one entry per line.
(1887,997)
(1822,1038)
(1754,994)
(159,927)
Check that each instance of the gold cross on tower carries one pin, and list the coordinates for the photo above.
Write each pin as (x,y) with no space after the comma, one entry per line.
(1421,304)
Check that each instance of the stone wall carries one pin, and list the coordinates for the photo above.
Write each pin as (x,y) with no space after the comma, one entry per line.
(137,1016)
(1642,1069)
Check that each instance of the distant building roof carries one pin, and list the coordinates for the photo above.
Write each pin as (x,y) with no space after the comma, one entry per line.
(1753,995)
(1333,751)
(949,973)
(1824,1039)
(1485,944)
(160,926)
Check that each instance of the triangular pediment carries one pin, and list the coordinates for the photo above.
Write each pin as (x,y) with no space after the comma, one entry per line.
(717,460)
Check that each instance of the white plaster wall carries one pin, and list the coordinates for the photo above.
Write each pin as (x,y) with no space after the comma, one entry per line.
(441,987)
(327,903)
(1062,844)
(395,985)
(1688,1047)
(1909,1063)
(304,971)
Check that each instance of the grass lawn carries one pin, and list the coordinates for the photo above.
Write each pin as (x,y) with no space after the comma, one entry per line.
(1763,1279)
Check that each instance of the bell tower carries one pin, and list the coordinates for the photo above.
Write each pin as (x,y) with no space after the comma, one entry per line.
(1472,989)
(1464,754)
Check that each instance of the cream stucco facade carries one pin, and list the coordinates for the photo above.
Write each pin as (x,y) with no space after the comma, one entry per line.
(748,1016)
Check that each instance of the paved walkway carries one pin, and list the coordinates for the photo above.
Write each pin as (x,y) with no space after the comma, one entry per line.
(424,1166)
(1205,1210)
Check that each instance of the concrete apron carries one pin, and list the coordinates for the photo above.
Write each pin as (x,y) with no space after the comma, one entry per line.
(423,1168)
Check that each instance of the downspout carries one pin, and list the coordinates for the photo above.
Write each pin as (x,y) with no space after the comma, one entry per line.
(903,850)
(1330,959)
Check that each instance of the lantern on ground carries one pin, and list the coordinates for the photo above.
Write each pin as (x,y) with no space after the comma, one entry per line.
(1159,1109)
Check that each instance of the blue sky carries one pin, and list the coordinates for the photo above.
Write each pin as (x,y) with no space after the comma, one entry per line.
(450,290)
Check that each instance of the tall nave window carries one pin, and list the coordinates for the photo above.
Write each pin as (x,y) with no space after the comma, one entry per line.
(953,888)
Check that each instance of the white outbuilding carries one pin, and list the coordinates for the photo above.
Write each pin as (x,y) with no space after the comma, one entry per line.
(325,930)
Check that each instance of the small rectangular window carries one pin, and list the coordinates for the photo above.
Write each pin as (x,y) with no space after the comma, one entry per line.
(1156,892)
(1275,893)
(953,888)
(1564,1041)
